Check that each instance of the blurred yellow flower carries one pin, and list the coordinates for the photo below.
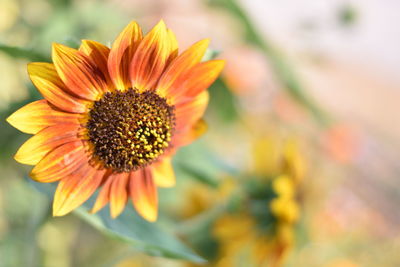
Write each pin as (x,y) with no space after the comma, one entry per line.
(283,185)
(256,226)
(293,160)
(260,230)
(285,209)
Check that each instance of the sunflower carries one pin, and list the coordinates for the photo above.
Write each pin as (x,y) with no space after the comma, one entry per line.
(113,118)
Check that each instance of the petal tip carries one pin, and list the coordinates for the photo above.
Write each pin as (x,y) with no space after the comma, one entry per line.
(115,214)
(10,120)
(133,23)
(96,207)
(55,50)
(146,210)
(161,23)
(19,158)
(160,27)
(59,213)
(34,175)
(219,63)
(56,46)
(59,210)
(31,65)
(58,49)
(149,215)
(204,42)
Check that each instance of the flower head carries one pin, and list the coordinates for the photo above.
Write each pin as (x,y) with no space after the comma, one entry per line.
(113,118)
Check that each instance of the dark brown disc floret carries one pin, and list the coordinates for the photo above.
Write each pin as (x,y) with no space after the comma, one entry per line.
(130,129)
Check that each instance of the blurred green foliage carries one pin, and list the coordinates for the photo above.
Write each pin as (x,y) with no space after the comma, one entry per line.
(283,69)
(347,15)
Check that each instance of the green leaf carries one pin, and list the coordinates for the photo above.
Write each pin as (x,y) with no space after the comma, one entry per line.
(130,227)
(199,175)
(198,162)
(222,102)
(20,52)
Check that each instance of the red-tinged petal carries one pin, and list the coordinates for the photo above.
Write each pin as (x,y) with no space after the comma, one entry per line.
(38,115)
(60,162)
(118,193)
(104,195)
(121,55)
(79,73)
(74,190)
(181,65)
(163,173)
(45,77)
(35,148)
(98,53)
(197,80)
(143,193)
(187,136)
(191,111)
(151,58)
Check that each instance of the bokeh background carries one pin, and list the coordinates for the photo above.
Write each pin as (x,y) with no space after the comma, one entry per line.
(312,84)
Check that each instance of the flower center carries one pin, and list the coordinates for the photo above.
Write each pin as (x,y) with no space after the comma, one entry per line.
(129,130)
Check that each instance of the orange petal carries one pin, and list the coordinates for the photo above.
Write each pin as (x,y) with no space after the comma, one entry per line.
(122,51)
(118,193)
(44,76)
(98,53)
(143,192)
(182,64)
(104,195)
(79,73)
(150,58)
(188,136)
(35,148)
(60,162)
(74,190)
(38,115)
(197,80)
(163,173)
(191,111)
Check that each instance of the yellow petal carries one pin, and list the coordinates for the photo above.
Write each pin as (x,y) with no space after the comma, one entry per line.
(45,77)
(122,51)
(191,111)
(98,53)
(118,193)
(38,115)
(191,134)
(74,190)
(78,72)
(104,196)
(173,45)
(143,193)
(35,148)
(197,80)
(60,162)
(163,173)
(150,58)
(179,66)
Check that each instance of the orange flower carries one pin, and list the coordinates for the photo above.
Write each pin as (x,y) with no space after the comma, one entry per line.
(113,118)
